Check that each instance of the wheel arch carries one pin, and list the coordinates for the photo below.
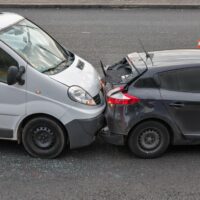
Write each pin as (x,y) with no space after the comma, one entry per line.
(166,124)
(32,116)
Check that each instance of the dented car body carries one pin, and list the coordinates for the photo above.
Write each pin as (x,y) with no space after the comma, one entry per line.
(154,102)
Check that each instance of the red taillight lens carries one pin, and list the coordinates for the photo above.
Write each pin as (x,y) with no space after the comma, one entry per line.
(198,44)
(122,98)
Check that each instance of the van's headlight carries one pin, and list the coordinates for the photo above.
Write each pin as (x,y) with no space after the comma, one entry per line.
(80,95)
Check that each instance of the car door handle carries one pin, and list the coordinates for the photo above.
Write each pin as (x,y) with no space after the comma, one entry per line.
(177,104)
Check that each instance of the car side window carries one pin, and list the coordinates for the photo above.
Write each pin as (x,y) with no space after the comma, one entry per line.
(168,80)
(189,80)
(5,62)
(183,80)
(145,83)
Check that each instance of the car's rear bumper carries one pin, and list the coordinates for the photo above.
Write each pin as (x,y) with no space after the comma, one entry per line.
(82,132)
(111,138)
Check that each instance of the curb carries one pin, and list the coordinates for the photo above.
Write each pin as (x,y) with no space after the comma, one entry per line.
(104,6)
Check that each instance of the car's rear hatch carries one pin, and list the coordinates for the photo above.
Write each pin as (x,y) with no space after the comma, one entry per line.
(126,70)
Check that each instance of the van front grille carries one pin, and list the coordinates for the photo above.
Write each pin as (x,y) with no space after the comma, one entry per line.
(97,99)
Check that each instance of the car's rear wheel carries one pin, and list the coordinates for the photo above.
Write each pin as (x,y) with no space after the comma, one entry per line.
(43,137)
(149,139)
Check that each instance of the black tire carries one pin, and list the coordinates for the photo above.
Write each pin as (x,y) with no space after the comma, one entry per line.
(43,137)
(149,139)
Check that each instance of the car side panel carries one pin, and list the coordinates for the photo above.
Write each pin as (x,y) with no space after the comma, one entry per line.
(186,116)
(122,118)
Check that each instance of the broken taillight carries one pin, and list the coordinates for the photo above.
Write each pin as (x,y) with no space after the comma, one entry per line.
(121,97)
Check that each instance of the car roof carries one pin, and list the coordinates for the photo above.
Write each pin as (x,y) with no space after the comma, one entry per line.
(8,19)
(173,58)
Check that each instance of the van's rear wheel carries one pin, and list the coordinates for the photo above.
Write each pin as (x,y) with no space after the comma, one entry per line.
(43,137)
(149,139)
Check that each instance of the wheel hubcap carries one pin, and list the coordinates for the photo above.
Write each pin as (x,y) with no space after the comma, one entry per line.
(43,137)
(149,139)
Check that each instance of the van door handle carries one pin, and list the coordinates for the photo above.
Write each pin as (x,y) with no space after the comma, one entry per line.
(177,104)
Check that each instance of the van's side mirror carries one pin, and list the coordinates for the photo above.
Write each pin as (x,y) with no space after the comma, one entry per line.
(15,75)
(12,75)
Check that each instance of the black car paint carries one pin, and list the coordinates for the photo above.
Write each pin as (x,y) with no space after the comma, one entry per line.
(121,119)
(158,104)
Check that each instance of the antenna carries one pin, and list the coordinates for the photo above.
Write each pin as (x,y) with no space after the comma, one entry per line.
(148,55)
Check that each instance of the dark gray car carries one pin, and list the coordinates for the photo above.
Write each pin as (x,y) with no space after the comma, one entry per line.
(154,101)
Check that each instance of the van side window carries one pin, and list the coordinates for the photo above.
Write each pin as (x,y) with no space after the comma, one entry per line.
(5,62)
(183,80)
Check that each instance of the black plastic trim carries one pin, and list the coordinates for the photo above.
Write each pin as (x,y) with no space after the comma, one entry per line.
(6,133)
(82,132)
(113,138)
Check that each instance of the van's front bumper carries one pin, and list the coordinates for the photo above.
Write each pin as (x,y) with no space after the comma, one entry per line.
(82,132)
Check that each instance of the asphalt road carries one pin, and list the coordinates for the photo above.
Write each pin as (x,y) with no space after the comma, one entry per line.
(103,171)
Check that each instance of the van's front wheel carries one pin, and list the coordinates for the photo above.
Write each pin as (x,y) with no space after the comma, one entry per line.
(43,137)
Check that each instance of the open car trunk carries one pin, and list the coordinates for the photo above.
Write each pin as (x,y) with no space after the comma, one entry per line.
(126,70)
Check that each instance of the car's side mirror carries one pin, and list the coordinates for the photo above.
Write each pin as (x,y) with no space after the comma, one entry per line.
(15,75)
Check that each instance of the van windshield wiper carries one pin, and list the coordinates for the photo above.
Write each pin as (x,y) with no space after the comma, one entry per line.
(27,26)
(45,49)
(52,68)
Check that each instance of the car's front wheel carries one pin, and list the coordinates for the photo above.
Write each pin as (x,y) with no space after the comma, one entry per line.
(43,137)
(149,139)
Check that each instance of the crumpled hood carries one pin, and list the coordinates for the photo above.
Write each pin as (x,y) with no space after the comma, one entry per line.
(80,73)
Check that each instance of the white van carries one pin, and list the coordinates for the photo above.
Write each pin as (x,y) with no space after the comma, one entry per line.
(49,97)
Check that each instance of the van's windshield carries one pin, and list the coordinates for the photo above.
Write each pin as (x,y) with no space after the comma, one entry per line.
(35,46)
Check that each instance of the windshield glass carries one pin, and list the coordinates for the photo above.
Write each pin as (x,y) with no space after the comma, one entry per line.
(34,45)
